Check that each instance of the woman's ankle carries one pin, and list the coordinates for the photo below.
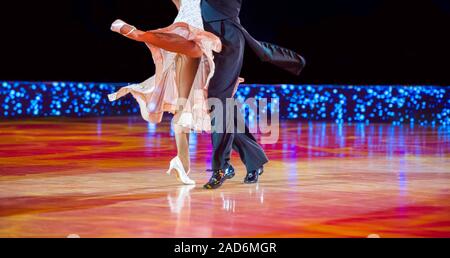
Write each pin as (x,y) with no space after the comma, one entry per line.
(186,163)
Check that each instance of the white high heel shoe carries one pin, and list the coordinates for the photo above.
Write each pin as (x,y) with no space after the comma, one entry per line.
(117,26)
(176,165)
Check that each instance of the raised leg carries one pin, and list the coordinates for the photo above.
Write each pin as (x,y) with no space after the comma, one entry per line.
(170,42)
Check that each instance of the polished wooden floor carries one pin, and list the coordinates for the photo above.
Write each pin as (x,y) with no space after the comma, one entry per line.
(105,178)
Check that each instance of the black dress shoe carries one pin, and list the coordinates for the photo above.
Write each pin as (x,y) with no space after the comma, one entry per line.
(253,176)
(217,179)
(229,172)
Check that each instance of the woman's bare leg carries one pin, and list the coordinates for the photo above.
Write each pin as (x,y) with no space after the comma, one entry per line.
(169,42)
(186,70)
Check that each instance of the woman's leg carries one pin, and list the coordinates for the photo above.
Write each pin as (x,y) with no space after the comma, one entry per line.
(186,70)
(170,42)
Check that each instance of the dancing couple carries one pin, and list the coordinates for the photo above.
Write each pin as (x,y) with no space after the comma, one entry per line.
(199,58)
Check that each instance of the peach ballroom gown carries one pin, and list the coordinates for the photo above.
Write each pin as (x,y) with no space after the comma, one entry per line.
(159,93)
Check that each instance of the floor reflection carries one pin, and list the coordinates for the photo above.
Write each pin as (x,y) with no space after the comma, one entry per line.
(181,201)
(105,178)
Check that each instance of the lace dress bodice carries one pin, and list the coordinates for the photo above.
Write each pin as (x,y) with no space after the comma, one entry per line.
(190,13)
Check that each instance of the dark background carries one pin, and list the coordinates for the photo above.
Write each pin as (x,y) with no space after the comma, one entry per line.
(344,41)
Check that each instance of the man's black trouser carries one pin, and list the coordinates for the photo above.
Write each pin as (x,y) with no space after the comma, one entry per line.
(228,68)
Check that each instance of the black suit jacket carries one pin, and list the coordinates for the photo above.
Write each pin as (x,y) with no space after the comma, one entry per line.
(219,10)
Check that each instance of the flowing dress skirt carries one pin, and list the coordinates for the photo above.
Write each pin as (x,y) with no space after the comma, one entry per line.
(159,94)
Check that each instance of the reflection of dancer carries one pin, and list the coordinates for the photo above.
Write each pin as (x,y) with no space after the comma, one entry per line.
(183,198)
(221,17)
(183,55)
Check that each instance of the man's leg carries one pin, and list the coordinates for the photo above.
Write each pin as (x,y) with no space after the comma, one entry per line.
(249,150)
(251,153)
(228,68)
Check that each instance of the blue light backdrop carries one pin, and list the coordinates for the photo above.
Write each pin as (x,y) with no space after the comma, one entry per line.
(424,105)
